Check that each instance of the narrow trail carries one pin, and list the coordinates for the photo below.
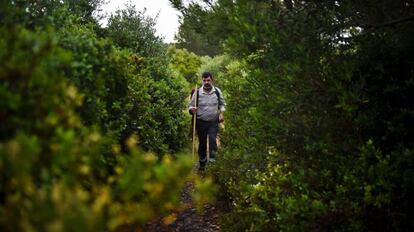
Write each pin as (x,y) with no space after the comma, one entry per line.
(189,220)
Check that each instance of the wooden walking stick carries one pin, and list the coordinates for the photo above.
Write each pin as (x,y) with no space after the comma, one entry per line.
(194,121)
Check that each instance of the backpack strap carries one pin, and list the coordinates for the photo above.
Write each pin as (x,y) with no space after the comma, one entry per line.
(217,94)
(197,96)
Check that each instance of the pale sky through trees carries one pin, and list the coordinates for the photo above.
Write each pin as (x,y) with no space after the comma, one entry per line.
(167,21)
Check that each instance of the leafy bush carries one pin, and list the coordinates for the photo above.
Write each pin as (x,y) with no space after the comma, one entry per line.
(132,29)
(70,102)
(330,98)
(185,63)
(63,103)
(126,93)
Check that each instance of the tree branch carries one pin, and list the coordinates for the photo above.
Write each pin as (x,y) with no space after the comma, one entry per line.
(385,24)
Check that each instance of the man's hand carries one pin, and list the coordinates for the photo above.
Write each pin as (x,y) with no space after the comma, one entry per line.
(193,110)
(221,117)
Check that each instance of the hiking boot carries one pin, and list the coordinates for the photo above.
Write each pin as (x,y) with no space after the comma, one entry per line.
(201,166)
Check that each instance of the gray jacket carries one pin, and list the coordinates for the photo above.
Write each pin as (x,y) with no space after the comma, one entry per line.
(208,105)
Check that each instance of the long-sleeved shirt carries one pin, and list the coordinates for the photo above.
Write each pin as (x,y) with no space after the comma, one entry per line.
(208,104)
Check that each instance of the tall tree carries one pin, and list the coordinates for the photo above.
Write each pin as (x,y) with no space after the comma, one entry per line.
(196,32)
(132,29)
(43,13)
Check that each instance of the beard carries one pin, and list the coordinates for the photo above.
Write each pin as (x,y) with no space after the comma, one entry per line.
(207,87)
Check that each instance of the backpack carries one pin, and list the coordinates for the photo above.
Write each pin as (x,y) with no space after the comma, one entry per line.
(217,94)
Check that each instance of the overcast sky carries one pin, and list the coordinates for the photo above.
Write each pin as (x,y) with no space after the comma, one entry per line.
(167,21)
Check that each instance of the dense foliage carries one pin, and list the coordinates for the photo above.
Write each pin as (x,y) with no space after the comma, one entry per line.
(81,115)
(321,122)
(193,34)
(185,63)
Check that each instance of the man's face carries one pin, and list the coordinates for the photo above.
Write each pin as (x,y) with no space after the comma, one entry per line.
(207,82)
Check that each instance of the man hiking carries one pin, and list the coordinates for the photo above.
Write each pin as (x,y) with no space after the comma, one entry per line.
(209,113)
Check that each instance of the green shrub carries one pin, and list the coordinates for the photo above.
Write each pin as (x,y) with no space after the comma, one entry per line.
(185,63)
(52,178)
(326,85)
(126,93)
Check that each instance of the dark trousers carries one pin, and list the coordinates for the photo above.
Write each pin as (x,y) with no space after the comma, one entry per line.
(205,129)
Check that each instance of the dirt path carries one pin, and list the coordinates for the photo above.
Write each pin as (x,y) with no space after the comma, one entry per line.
(189,220)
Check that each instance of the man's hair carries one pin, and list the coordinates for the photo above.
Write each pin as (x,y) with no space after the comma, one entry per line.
(206,75)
